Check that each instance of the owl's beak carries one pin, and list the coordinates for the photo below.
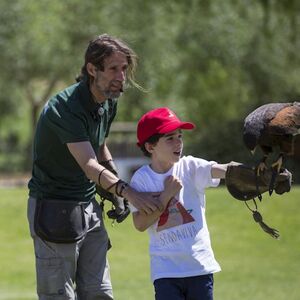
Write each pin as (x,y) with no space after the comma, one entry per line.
(253,151)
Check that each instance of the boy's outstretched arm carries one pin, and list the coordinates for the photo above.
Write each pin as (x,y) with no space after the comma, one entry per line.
(219,170)
(172,186)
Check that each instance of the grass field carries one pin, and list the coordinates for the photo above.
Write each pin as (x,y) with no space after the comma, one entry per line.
(254,266)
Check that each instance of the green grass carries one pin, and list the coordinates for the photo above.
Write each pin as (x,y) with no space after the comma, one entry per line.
(254,266)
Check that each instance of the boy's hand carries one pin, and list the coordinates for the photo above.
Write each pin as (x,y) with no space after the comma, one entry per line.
(172,183)
(172,186)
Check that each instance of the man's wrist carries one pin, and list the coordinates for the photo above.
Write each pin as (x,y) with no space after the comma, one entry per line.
(126,191)
(121,187)
(165,197)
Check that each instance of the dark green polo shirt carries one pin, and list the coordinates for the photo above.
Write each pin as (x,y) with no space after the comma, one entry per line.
(70,116)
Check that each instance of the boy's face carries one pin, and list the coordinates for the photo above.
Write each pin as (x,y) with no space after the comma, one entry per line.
(166,151)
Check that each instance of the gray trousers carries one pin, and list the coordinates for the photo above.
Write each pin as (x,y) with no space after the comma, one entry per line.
(73,271)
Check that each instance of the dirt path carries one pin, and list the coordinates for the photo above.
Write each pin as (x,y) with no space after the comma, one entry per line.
(7,181)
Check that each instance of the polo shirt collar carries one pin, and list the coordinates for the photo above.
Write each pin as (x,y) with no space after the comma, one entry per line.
(87,100)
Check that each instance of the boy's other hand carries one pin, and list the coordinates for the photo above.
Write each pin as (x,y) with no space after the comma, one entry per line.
(172,186)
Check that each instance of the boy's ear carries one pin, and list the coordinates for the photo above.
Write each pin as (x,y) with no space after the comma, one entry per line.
(149,147)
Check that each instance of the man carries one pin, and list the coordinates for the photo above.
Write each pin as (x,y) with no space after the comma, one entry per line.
(66,225)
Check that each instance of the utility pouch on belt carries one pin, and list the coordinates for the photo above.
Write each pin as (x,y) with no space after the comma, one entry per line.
(60,221)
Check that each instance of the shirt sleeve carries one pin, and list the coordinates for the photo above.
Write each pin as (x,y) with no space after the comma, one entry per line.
(201,169)
(138,184)
(69,127)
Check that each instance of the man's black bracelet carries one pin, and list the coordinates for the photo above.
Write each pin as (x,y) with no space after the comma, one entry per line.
(121,186)
(99,176)
(105,161)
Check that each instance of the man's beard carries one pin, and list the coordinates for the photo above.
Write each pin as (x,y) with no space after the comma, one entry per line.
(109,94)
(112,95)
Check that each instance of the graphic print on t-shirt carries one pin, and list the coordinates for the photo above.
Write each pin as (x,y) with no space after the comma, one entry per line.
(175,214)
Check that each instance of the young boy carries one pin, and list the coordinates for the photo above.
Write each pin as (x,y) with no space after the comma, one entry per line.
(182,260)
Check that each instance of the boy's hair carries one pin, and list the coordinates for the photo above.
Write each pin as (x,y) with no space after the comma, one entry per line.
(151,140)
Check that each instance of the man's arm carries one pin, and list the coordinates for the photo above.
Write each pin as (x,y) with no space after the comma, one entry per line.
(104,153)
(86,158)
(142,221)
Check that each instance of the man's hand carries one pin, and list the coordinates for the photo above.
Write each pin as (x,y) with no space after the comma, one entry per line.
(120,209)
(118,215)
(145,202)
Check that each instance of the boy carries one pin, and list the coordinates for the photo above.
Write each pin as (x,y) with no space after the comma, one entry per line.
(182,260)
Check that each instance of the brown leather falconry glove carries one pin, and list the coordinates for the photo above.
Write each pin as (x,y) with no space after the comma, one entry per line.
(244,184)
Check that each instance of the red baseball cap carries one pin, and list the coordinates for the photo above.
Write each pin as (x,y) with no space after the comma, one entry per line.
(159,121)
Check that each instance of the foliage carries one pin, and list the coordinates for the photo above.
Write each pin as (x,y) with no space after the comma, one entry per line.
(254,266)
(211,61)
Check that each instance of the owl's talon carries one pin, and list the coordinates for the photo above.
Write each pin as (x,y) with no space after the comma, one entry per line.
(261,168)
(278,164)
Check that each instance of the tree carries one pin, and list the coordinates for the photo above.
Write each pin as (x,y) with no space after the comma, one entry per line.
(210,61)
(41,48)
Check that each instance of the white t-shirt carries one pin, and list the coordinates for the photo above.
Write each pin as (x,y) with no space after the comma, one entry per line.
(179,244)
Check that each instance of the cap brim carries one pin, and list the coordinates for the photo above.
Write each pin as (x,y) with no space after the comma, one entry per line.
(177,125)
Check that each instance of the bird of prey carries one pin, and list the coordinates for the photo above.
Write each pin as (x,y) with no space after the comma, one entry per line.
(271,126)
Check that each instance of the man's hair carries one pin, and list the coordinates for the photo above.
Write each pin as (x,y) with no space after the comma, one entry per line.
(102,47)
(151,140)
